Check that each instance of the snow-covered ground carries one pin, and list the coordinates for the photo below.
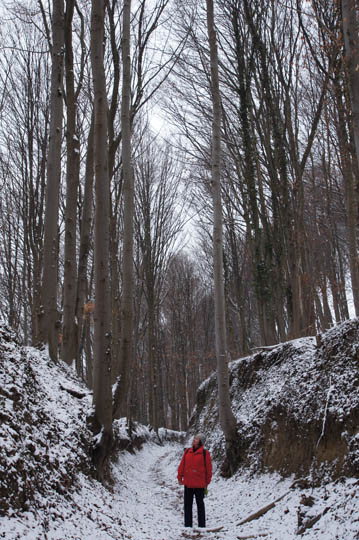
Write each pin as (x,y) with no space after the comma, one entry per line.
(152,503)
(146,504)
(47,491)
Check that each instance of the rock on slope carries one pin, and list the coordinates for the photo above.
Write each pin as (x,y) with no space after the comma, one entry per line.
(297,406)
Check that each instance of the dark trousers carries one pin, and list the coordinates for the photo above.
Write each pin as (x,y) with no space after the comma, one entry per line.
(189,493)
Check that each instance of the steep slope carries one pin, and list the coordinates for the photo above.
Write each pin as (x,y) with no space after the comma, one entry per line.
(44,441)
(297,406)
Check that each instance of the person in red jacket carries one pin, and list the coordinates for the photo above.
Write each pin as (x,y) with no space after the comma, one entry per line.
(195,473)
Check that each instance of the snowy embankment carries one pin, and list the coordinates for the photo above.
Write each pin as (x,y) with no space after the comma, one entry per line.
(296,405)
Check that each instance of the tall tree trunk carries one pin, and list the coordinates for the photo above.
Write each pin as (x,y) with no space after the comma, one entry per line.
(350,197)
(351,41)
(126,351)
(153,360)
(115,294)
(226,417)
(85,245)
(102,319)
(69,334)
(49,324)
(150,297)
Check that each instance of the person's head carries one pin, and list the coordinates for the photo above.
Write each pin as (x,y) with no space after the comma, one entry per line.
(198,440)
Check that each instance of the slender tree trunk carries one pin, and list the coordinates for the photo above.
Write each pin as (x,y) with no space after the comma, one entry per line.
(150,297)
(351,41)
(35,240)
(115,296)
(328,319)
(69,334)
(85,245)
(350,196)
(102,319)
(49,323)
(36,307)
(226,417)
(126,352)
(88,352)
(152,359)
(182,387)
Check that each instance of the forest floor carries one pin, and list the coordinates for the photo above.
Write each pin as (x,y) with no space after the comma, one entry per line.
(146,504)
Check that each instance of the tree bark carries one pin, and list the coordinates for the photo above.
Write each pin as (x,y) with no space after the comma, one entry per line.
(69,333)
(126,351)
(226,417)
(84,250)
(102,317)
(49,318)
(351,42)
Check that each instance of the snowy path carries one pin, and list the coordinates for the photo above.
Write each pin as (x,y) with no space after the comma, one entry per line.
(152,503)
(146,504)
(150,498)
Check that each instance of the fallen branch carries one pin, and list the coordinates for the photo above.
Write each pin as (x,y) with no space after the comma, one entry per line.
(262,511)
(208,530)
(74,393)
(301,483)
(252,536)
(312,521)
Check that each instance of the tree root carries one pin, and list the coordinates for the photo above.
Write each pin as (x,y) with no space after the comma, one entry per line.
(101,452)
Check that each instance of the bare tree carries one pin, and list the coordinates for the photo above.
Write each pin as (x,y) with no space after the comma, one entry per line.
(148,72)
(351,41)
(226,416)
(49,317)
(158,222)
(84,251)
(69,331)
(102,320)
(24,122)
(188,336)
(272,114)
(126,353)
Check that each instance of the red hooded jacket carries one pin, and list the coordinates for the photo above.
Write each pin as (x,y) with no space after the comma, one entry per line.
(192,471)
